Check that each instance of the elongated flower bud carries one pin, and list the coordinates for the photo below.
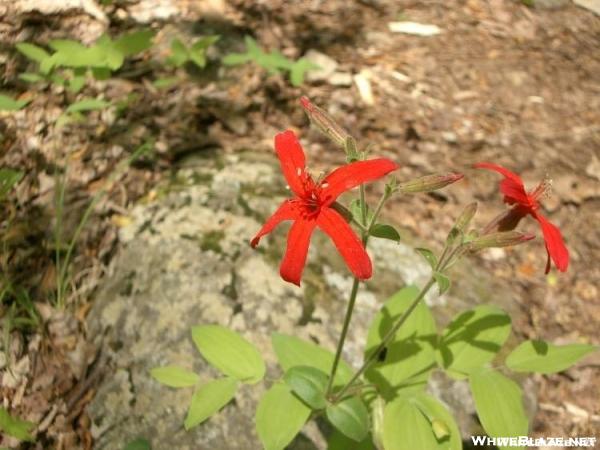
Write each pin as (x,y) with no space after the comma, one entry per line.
(429,183)
(501,239)
(462,223)
(325,123)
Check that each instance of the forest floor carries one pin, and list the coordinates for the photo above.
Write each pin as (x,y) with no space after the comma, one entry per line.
(502,81)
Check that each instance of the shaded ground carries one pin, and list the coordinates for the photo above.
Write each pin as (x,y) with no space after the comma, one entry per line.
(502,82)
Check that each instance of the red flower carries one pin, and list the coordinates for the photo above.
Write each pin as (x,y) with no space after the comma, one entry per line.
(528,203)
(311,207)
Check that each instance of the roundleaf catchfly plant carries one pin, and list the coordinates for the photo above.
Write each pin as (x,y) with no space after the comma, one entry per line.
(383,402)
(311,207)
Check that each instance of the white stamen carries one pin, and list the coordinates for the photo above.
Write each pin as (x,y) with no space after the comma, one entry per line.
(287,186)
(325,185)
(299,171)
(312,194)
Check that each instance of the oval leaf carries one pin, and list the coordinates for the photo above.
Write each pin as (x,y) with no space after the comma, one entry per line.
(292,351)
(280,416)
(174,376)
(337,441)
(442,281)
(544,357)
(32,52)
(15,427)
(428,255)
(385,232)
(9,104)
(229,352)
(138,444)
(419,422)
(133,43)
(8,179)
(208,399)
(350,417)
(410,357)
(308,383)
(499,404)
(473,339)
(88,104)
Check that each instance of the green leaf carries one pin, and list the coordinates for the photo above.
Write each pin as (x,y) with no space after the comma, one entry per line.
(198,57)
(419,422)
(235,59)
(138,444)
(179,53)
(57,79)
(32,52)
(80,56)
(204,42)
(442,281)
(350,417)
(165,83)
(229,352)
(101,73)
(30,77)
(544,357)
(298,69)
(280,416)
(209,399)
(337,441)
(135,42)
(309,384)
(292,351)
(385,232)
(473,339)
(197,51)
(48,64)
(252,46)
(8,179)
(174,376)
(442,422)
(76,84)
(67,46)
(88,104)
(499,405)
(428,255)
(410,357)
(15,427)
(356,212)
(9,104)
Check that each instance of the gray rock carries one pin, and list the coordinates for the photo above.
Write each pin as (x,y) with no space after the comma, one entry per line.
(327,66)
(186,261)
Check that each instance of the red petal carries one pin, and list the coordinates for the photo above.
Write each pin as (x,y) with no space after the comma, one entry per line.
(512,186)
(297,248)
(292,160)
(351,175)
(286,211)
(347,242)
(555,245)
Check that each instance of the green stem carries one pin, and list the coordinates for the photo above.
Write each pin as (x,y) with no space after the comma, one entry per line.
(382,201)
(386,340)
(340,346)
(354,291)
